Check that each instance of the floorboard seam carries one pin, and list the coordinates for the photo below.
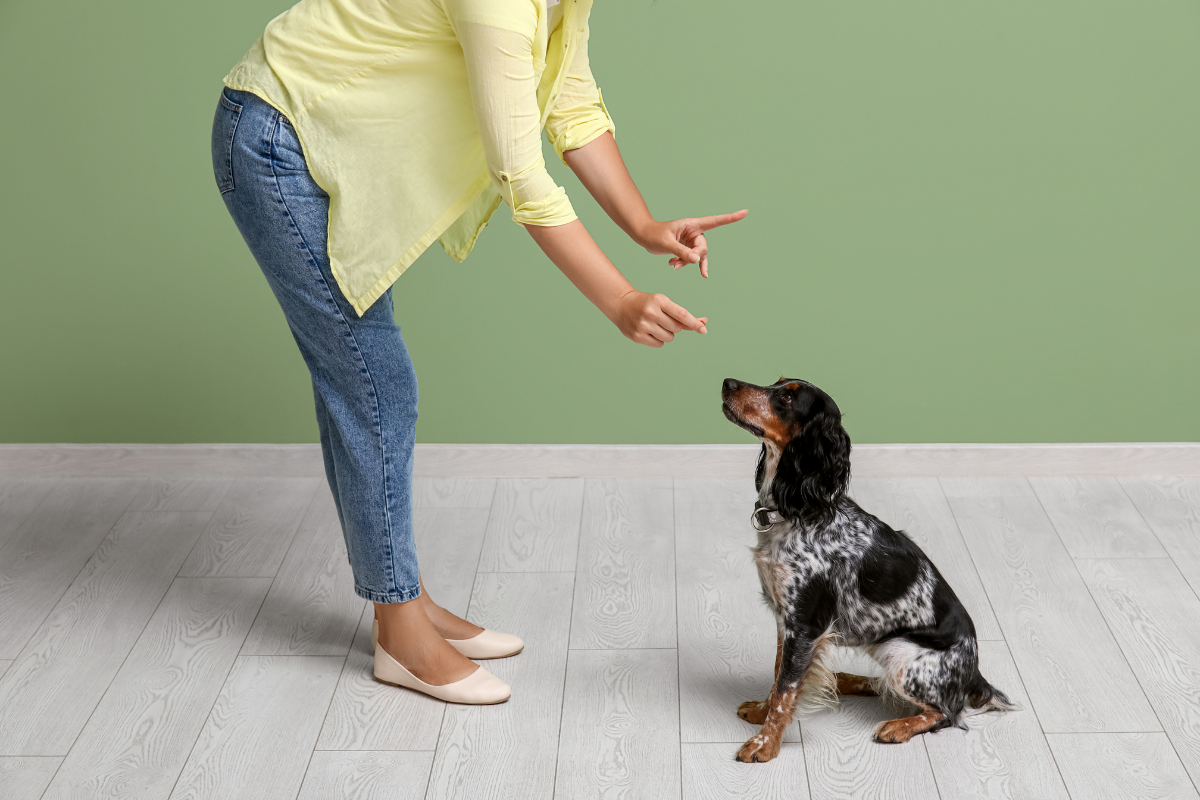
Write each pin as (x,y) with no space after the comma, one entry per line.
(562,702)
(678,667)
(328,706)
(232,663)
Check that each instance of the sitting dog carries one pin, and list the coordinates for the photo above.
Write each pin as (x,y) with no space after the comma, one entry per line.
(832,573)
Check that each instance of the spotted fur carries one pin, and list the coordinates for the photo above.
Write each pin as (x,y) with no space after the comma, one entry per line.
(830,572)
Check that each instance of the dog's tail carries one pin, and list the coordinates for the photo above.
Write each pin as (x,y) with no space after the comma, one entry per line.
(983,697)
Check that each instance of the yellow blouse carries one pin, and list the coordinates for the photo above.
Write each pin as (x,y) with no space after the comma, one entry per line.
(419,117)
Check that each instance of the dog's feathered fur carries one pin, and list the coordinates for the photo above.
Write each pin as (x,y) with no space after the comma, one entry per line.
(830,571)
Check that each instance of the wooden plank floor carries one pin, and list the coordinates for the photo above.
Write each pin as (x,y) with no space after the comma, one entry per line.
(198,637)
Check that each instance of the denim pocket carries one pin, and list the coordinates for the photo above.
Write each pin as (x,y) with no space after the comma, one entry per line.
(224,127)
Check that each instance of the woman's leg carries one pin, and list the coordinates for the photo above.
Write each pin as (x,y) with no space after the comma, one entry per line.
(363,379)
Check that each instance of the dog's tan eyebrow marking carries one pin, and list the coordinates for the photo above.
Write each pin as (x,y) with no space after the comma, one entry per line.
(792,386)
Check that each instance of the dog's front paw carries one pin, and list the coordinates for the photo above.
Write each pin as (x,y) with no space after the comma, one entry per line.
(758,750)
(753,711)
(894,731)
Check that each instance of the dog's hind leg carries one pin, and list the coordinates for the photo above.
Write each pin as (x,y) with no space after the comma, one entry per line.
(755,711)
(897,731)
(855,685)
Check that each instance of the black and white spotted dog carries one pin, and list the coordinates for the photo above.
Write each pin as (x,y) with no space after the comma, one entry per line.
(832,573)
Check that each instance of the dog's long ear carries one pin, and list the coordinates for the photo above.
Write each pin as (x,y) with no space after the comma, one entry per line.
(760,470)
(814,471)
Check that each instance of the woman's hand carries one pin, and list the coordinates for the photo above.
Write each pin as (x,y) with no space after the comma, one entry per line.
(684,238)
(652,319)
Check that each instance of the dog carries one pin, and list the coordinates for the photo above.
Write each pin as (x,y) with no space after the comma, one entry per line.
(832,573)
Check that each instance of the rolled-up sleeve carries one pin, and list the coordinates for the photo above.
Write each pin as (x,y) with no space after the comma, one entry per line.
(579,115)
(497,43)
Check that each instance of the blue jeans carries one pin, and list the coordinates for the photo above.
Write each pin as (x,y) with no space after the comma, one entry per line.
(363,380)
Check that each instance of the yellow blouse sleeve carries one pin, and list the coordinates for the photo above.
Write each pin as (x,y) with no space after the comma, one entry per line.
(497,43)
(579,115)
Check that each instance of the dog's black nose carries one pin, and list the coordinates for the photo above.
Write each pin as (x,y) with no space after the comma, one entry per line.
(730,385)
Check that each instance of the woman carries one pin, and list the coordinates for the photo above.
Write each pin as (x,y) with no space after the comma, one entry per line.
(351,136)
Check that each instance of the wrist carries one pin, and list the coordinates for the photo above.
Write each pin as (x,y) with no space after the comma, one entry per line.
(642,230)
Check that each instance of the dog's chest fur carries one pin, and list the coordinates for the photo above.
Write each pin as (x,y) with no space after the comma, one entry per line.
(793,562)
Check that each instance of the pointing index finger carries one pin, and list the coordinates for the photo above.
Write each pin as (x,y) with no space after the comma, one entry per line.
(683,317)
(717,220)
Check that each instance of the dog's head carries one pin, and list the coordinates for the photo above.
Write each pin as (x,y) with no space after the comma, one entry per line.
(801,427)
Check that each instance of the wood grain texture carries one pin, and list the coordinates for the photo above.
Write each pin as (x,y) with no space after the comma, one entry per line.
(1095,519)
(1002,756)
(181,494)
(137,741)
(726,634)
(508,751)
(251,530)
(368,715)
(843,761)
(448,545)
(40,559)
(733,491)
(602,461)
(366,775)
(25,777)
(710,773)
(625,582)
(311,609)
(258,739)
(534,526)
(620,726)
(18,498)
(453,492)
(1171,506)
(49,693)
(918,507)
(1156,620)
(1121,766)
(1077,679)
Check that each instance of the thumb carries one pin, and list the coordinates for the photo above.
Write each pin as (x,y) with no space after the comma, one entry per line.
(684,252)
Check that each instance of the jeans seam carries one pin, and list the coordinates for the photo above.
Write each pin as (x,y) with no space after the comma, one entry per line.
(387,513)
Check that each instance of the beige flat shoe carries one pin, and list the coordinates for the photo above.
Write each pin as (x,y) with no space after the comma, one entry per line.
(480,688)
(488,644)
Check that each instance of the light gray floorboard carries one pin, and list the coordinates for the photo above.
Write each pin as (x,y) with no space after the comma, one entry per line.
(49,693)
(1156,620)
(41,558)
(918,507)
(311,609)
(1121,766)
(250,531)
(453,492)
(711,773)
(448,545)
(1076,677)
(18,498)
(534,526)
(508,751)
(1002,756)
(620,726)
(4,665)
(366,775)
(739,492)
(1095,519)
(726,633)
(843,760)
(141,733)
(625,581)
(258,739)
(368,715)
(181,494)
(25,777)
(1171,506)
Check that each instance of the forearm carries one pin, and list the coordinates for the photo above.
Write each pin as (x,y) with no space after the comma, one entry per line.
(600,168)
(573,251)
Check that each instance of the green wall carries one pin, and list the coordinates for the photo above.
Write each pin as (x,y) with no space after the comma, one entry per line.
(968,222)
